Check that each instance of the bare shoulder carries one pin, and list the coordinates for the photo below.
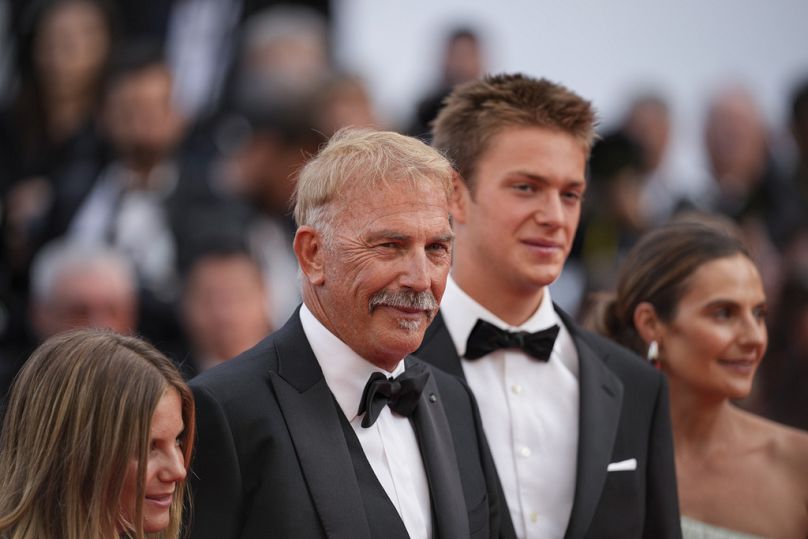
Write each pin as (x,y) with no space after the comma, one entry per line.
(785,446)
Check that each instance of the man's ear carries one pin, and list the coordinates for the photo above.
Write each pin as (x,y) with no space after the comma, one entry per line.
(460,199)
(647,323)
(308,246)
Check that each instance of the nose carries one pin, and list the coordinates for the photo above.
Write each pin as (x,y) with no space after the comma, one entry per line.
(549,211)
(754,333)
(173,468)
(416,273)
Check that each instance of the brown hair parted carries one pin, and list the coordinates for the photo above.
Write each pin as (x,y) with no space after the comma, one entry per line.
(476,111)
(79,411)
(364,157)
(657,270)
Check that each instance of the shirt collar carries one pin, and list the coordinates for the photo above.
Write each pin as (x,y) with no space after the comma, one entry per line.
(345,371)
(461,313)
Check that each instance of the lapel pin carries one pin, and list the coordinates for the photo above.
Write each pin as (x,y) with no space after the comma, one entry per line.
(433,397)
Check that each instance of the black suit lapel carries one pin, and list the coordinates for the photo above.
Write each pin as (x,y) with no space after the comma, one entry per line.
(439,350)
(314,426)
(601,400)
(449,512)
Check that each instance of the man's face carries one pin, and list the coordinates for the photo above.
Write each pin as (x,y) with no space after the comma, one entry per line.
(386,269)
(92,297)
(140,116)
(515,229)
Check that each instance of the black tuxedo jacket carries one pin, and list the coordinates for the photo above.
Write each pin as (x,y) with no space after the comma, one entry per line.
(623,415)
(272,458)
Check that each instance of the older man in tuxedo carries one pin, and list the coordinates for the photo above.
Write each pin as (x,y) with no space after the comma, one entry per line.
(578,427)
(328,428)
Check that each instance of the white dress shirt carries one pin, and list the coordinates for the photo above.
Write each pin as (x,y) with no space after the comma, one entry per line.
(390,444)
(529,411)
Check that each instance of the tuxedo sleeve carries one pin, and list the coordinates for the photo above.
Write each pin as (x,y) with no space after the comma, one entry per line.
(662,501)
(215,473)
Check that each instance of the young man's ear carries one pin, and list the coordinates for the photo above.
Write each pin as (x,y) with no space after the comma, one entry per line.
(461,196)
(308,247)
(647,323)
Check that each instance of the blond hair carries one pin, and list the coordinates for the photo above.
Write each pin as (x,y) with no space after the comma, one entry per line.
(476,111)
(366,158)
(79,411)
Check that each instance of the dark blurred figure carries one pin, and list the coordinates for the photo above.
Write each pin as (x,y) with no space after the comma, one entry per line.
(73,286)
(224,308)
(463,61)
(262,172)
(748,185)
(613,216)
(648,124)
(783,377)
(283,56)
(799,129)
(124,198)
(62,51)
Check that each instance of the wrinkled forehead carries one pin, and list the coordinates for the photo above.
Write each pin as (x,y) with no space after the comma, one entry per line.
(384,191)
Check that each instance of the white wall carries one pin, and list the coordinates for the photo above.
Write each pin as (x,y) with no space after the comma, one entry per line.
(602,49)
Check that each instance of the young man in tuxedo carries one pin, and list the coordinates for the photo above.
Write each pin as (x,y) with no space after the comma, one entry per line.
(578,427)
(328,428)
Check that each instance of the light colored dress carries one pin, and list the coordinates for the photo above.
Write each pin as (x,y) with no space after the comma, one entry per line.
(694,529)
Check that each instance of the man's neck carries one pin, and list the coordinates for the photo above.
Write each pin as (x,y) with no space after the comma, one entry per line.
(512,305)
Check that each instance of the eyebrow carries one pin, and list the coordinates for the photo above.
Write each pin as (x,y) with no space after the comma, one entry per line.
(543,179)
(398,236)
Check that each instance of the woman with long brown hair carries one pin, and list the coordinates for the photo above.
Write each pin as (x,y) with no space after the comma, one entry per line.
(96,441)
(690,298)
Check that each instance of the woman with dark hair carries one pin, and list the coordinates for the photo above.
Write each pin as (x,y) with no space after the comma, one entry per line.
(96,442)
(691,300)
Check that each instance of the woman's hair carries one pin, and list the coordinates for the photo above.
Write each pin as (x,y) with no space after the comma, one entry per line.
(79,411)
(657,270)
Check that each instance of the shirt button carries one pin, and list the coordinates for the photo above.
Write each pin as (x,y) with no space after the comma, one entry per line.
(517,389)
(524,451)
(534,517)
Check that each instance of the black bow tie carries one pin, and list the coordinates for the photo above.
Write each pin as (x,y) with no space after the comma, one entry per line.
(486,338)
(400,393)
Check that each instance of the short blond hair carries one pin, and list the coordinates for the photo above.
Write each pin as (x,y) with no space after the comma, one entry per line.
(367,158)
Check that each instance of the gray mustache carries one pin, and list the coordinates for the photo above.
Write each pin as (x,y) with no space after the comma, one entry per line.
(424,301)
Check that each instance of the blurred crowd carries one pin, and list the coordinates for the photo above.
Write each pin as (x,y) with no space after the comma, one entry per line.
(148,152)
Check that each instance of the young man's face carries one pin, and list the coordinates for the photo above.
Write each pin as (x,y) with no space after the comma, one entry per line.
(517,224)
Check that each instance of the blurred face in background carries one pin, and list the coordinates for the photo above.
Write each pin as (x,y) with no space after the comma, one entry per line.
(735,137)
(225,307)
(71,47)
(715,343)
(96,297)
(140,116)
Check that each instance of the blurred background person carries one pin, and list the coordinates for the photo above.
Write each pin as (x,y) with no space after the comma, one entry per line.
(342,100)
(690,298)
(613,217)
(748,185)
(463,60)
(798,124)
(283,55)
(648,122)
(113,462)
(125,198)
(61,50)
(73,286)
(225,306)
